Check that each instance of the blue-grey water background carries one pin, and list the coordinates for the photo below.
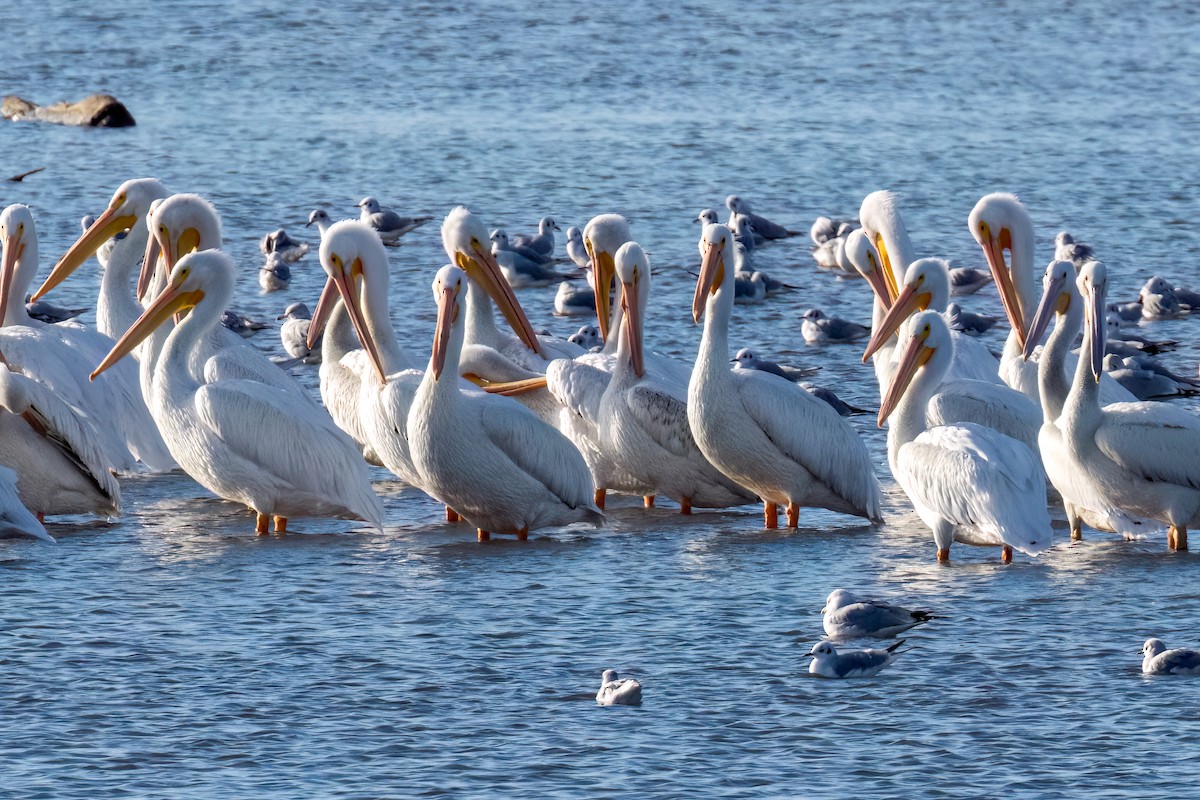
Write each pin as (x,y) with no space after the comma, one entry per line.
(171,653)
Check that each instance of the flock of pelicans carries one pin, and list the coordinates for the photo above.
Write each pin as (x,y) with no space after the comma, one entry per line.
(514,431)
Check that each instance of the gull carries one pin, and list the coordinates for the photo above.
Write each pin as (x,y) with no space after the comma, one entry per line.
(241,325)
(293,333)
(519,270)
(1067,249)
(573,300)
(1125,312)
(1161,300)
(839,405)
(616,691)
(48,312)
(274,275)
(848,616)
(543,242)
(762,226)
(588,337)
(320,218)
(744,234)
(1112,323)
(387,223)
(284,246)
(746,359)
(576,249)
(968,280)
(749,288)
(829,663)
(968,322)
(1158,660)
(1146,384)
(817,327)
(706,217)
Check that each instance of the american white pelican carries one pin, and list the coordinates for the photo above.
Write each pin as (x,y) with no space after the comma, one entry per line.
(15,518)
(1158,660)
(848,616)
(829,663)
(243,440)
(616,691)
(643,420)
(490,458)
(115,405)
(968,483)
(884,228)
(52,447)
(1142,456)
(387,223)
(1082,499)
(768,435)
(1000,222)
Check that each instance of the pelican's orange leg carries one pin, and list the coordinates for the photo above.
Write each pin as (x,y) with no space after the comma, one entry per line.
(523,535)
(648,501)
(600,499)
(483,535)
(1177,538)
(280,524)
(943,555)
(793,512)
(260,524)
(452,515)
(771,514)
(1005,555)
(685,505)
(41,516)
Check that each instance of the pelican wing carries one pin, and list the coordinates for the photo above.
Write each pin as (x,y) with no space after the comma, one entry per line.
(663,418)
(293,440)
(809,431)
(979,479)
(1158,441)
(537,449)
(578,384)
(992,405)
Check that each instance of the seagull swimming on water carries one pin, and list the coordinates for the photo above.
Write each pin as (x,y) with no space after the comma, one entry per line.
(241,325)
(1158,660)
(520,271)
(762,226)
(576,249)
(293,334)
(829,663)
(543,242)
(387,223)
(746,359)
(1067,249)
(969,323)
(284,246)
(573,300)
(968,280)
(588,337)
(817,327)
(848,616)
(616,691)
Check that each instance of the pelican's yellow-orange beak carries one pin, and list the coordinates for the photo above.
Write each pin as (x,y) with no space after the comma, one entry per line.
(1054,301)
(320,317)
(14,247)
(480,265)
(908,302)
(604,269)
(173,300)
(448,309)
(993,251)
(106,226)
(347,287)
(915,356)
(633,326)
(878,282)
(889,271)
(1094,315)
(149,265)
(712,275)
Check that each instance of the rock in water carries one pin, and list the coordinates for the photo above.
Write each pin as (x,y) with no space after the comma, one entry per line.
(96,111)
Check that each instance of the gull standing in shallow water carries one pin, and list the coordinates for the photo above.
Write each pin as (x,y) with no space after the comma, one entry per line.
(848,616)
(490,458)
(829,663)
(616,691)
(240,439)
(768,435)
(968,483)
(1158,660)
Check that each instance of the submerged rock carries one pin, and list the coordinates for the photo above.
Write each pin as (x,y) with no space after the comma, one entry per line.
(96,111)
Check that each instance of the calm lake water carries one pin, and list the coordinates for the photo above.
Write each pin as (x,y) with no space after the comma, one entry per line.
(171,653)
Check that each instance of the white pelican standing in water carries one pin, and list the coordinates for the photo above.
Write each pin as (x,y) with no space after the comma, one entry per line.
(643,420)
(768,435)
(1000,222)
(490,458)
(63,355)
(242,440)
(968,483)
(1142,456)
(1082,499)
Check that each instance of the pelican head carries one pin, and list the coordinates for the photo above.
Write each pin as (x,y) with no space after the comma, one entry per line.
(1058,294)
(602,237)
(464,238)
(930,337)
(184,223)
(706,217)
(1093,285)
(926,284)
(127,208)
(881,223)
(19,238)
(369,205)
(196,276)
(153,254)
(352,255)
(865,258)
(716,244)
(448,286)
(547,224)
(1153,647)
(1000,222)
(633,271)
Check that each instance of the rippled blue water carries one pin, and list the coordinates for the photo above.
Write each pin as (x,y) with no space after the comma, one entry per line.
(173,654)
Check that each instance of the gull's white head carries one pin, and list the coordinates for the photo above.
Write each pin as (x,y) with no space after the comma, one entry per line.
(737,205)
(1153,647)
(547,224)
(838,598)
(369,205)
(706,217)
(608,676)
(822,650)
